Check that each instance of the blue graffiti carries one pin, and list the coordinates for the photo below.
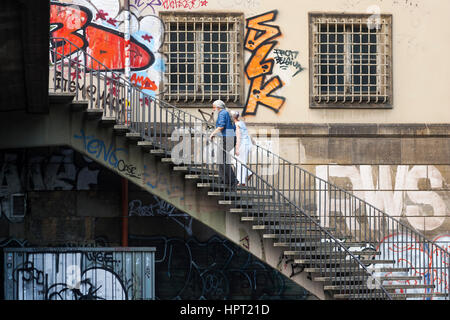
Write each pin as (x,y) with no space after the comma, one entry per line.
(97,147)
(216,269)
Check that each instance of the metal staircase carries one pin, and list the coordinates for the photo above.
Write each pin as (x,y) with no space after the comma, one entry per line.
(354,249)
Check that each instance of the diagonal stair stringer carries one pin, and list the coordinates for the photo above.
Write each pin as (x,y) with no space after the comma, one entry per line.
(71,125)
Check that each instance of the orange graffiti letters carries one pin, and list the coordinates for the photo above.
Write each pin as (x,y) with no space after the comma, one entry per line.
(259,41)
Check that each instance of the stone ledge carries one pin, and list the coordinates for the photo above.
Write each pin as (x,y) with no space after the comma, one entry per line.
(401,130)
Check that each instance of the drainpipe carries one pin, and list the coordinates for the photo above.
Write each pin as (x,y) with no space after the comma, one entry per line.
(127,76)
(124,212)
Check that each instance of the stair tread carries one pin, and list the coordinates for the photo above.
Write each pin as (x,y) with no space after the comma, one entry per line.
(353,270)
(302,220)
(326,244)
(419,295)
(222,186)
(61,97)
(199,177)
(238,194)
(269,211)
(393,295)
(387,287)
(121,127)
(346,279)
(335,253)
(79,105)
(145,143)
(343,261)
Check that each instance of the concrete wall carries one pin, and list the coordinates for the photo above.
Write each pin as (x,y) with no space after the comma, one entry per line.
(420,66)
(402,170)
(74,202)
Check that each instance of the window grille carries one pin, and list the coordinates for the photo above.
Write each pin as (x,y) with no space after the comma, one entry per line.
(204,58)
(352,60)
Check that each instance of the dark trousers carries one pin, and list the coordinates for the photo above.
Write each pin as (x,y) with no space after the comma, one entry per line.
(226,172)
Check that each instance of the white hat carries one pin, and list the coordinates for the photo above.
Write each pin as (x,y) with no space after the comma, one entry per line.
(219,104)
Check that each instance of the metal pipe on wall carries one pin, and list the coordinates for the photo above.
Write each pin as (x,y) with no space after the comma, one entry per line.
(124,212)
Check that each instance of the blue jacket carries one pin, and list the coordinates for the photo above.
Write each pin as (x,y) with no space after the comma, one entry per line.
(224,121)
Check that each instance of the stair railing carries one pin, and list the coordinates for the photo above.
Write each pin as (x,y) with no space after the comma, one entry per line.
(280,196)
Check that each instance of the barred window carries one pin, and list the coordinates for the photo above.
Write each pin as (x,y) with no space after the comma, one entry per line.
(204,58)
(352,61)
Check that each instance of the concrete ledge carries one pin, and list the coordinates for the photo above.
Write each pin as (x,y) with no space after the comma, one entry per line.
(356,129)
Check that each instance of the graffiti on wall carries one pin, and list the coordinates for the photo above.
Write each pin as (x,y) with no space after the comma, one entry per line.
(39,172)
(161,208)
(288,59)
(154,178)
(99,30)
(260,41)
(107,152)
(91,275)
(21,172)
(215,269)
(400,195)
(142,7)
(105,45)
(411,255)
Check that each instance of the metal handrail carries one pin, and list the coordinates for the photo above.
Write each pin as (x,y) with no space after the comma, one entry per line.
(126,93)
(418,233)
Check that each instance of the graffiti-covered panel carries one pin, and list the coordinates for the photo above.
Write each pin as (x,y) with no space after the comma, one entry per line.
(79,274)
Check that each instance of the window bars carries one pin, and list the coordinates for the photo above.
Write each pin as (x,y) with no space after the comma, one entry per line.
(351,60)
(204,58)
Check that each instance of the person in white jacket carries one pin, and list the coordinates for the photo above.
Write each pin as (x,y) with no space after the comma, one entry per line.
(244,144)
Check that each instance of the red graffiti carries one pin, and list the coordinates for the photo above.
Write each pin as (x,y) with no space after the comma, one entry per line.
(259,41)
(420,260)
(105,45)
(143,84)
(147,37)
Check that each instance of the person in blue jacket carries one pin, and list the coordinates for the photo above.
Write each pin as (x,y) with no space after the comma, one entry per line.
(227,130)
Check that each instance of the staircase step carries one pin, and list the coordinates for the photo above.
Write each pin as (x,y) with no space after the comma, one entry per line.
(354,279)
(94,114)
(223,186)
(121,129)
(158,152)
(108,121)
(195,170)
(145,144)
(246,203)
(295,237)
(60,97)
(317,244)
(298,228)
(278,219)
(394,296)
(133,136)
(387,287)
(79,105)
(329,254)
(337,261)
(314,237)
(408,286)
(239,195)
(200,177)
(355,269)
(402,296)
(270,209)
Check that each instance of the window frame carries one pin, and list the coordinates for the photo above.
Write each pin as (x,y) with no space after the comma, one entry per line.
(181,102)
(348,104)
